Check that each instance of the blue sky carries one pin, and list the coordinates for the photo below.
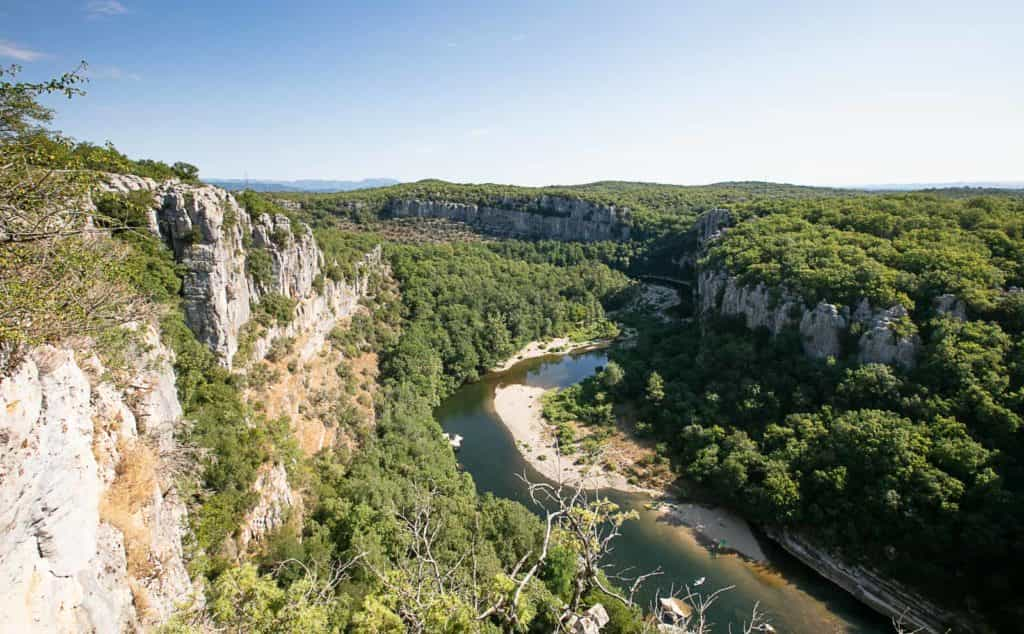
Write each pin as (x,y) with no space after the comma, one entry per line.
(543,92)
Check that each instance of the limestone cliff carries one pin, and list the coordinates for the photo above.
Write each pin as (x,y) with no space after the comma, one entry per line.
(92,524)
(871,588)
(543,217)
(218,242)
(887,334)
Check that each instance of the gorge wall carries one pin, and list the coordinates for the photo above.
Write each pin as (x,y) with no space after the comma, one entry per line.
(544,217)
(882,334)
(92,523)
(91,519)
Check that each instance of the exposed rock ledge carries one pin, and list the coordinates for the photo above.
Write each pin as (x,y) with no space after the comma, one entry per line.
(90,523)
(880,594)
(821,328)
(545,217)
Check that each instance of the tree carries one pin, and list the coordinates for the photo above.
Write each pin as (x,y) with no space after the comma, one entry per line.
(655,387)
(613,375)
(186,172)
(37,201)
(57,276)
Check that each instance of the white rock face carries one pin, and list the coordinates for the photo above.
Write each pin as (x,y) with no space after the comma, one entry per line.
(871,588)
(213,236)
(295,256)
(547,217)
(760,306)
(820,329)
(271,509)
(318,313)
(951,306)
(205,227)
(49,499)
(62,568)
(710,224)
(881,343)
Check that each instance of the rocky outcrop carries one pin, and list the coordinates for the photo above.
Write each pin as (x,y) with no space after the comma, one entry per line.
(316,314)
(890,337)
(214,238)
(75,555)
(820,329)
(206,229)
(711,224)
(274,502)
(592,621)
(296,260)
(543,217)
(759,306)
(950,305)
(879,593)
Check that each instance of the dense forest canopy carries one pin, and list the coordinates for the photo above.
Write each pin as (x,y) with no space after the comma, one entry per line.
(892,248)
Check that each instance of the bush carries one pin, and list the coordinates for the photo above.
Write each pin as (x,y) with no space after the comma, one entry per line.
(274,308)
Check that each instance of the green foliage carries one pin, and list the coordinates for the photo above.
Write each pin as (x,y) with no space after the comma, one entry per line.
(914,472)
(260,267)
(274,308)
(896,248)
(469,308)
(107,158)
(221,424)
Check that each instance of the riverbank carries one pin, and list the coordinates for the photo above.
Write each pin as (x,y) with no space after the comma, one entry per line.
(519,408)
(559,345)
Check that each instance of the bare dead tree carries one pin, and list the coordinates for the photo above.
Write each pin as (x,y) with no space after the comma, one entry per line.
(320,590)
(902,628)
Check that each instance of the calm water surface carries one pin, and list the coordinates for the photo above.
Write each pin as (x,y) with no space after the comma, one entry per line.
(796,599)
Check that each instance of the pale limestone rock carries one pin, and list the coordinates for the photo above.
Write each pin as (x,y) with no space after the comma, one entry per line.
(49,496)
(880,593)
(296,258)
(710,224)
(205,228)
(820,329)
(760,306)
(318,313)
(951,306)
(881,344)
(590,622)
(275,499)
(62,569)
(544,217)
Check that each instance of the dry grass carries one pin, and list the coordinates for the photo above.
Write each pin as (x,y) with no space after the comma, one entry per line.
(122,506)
(141,600)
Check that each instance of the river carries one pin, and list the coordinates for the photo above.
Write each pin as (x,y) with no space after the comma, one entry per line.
(795,598)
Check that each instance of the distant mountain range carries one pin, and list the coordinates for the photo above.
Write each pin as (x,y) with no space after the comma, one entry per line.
(955,185)
(305,185)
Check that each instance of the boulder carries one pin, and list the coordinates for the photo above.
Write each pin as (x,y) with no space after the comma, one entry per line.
(820,329)
(883,343)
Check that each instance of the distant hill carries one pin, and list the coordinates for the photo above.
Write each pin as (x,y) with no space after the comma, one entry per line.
(984,185)
(305,185)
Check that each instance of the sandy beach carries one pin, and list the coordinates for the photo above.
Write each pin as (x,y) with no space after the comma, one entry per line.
(534,349)
(519,408)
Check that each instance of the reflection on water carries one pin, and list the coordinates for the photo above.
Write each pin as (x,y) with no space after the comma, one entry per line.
(795,598)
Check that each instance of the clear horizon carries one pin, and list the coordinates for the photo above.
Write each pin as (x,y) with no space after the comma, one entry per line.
(537,95)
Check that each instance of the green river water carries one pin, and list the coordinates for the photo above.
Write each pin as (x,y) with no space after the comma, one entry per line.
(795,597)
